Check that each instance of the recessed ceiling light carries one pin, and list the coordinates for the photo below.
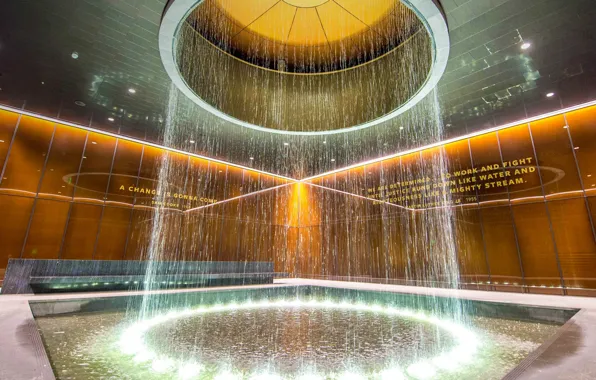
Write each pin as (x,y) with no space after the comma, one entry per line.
(550,94)
(80,103)
(94,142)
(43,82)
(75,55)
(132,90)
(110,119)
(526,45)
(63,186)
(589,175)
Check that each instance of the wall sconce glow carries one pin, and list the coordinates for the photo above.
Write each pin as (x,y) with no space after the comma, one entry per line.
(132,342)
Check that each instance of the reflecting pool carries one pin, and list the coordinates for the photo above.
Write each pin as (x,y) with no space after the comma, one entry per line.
(302,333)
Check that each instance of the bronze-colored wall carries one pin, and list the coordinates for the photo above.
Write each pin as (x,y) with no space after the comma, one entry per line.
(523,200)
(68,193)
(65,193)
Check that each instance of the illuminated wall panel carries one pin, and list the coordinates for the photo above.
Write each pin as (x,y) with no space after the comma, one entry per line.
(485,152)
(555,153)
(575,242)
(501,246)
(470,245)
(81,232)
(524,200)
(8,124)
(71,193)
(91,182)
(16,212)
(63,163)
(113,233)
(28,154)
(517,152)
(46,229)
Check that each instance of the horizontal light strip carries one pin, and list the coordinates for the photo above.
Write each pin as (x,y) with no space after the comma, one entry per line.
(360,196)
(452,140)
(132,139)
(239,197)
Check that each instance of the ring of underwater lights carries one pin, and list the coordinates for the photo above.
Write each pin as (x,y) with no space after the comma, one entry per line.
(132,343)
(429,13)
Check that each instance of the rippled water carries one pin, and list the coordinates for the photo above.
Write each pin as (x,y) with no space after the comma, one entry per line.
(283,341)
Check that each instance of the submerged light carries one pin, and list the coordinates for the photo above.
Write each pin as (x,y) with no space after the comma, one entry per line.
(132,341)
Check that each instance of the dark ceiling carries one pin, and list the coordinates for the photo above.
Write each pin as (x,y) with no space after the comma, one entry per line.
(489,81)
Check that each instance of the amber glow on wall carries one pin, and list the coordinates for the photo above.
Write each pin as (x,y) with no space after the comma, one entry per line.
(524,199)
(72,193)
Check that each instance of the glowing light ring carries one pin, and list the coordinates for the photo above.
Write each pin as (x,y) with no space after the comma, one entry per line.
(427,11)
(132,341)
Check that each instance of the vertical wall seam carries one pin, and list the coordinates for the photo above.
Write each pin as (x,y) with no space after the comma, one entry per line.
(550,223)
(480,219)
(43,172)
(134,201)
(513,224)
(72,201)
(13,138)
(581,179)
(105,195)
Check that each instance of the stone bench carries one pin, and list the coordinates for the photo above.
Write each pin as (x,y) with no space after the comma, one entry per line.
(50,276)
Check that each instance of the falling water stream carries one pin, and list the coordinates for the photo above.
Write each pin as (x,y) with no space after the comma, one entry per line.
(426,231)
